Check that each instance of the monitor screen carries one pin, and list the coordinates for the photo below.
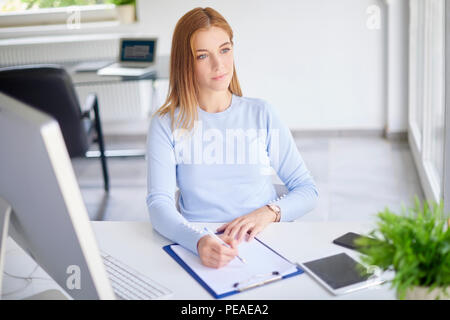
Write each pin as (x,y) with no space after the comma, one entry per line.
(138,50)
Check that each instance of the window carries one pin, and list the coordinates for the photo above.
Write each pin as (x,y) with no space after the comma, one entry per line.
(72,13)
(28,5)
(427,100)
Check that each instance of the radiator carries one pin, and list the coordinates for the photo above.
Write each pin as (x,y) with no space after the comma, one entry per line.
(124,107)
(123,101)
(58,49)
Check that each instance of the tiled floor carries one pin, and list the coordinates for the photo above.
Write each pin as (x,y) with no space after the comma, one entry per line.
(356,178)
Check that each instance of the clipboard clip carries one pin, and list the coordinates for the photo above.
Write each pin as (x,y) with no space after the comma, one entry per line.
(242,286)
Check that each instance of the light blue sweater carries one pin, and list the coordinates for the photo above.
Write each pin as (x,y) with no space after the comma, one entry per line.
(223,169)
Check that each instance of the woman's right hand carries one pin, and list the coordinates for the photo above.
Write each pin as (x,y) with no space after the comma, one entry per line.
(214,254)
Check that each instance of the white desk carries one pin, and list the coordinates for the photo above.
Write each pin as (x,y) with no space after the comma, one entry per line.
(138,245)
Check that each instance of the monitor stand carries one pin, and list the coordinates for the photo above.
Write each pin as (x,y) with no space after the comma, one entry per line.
(5,215)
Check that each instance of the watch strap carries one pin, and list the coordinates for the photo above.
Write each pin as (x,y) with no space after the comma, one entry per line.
(277,212)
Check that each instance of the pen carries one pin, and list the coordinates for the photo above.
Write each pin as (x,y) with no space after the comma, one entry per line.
(221,241)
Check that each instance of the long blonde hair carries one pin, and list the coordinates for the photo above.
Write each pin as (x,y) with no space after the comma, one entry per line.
(182,85)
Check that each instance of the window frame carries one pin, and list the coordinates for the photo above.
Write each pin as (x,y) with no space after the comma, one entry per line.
(72,17)
(446,184)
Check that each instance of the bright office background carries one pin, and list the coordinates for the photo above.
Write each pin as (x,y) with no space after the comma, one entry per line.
(333,66)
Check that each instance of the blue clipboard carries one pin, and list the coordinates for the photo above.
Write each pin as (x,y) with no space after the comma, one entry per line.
(180,261)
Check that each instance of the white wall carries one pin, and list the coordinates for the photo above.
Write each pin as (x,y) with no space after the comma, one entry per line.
(397,45)
(315,60)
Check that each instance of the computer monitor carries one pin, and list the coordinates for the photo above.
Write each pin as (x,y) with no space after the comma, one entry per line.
(138,50)
(48,217)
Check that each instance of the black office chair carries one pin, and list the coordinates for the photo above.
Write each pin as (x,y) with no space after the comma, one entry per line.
(49,88)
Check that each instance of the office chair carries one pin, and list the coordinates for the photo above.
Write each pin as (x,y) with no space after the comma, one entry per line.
(49,88)
(280,189)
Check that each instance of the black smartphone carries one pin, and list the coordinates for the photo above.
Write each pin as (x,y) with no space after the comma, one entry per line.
(348,240)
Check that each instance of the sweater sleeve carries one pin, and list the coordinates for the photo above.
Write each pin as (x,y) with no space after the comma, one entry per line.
(285,159)
(161,184)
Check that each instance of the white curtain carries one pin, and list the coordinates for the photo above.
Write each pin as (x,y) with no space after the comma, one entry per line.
(426,93)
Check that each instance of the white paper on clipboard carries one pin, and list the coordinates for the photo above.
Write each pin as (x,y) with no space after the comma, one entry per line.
(261,262)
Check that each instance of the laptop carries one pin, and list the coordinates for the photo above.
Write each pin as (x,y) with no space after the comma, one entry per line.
(136,58)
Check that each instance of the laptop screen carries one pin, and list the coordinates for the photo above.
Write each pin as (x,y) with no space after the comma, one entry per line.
(138,50)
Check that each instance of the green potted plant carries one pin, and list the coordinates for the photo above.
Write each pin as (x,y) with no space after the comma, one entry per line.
(126,10)
(416,245)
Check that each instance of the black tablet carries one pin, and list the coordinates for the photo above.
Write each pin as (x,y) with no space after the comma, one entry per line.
(340,274)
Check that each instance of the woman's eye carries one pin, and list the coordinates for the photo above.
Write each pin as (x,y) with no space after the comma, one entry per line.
(203,56)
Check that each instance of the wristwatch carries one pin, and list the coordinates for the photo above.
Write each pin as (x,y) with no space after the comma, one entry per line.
(276,209)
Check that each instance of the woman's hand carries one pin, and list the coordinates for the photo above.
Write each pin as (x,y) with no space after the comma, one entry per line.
(254,222)
(214,254)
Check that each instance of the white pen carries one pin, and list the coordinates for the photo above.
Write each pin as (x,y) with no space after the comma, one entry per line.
(221,241)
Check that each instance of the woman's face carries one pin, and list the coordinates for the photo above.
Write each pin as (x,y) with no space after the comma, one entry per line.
(213,59)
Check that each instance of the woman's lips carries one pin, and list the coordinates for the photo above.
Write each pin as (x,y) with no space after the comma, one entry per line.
(220,77)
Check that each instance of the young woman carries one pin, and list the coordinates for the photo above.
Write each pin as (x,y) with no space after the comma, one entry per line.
(219,147)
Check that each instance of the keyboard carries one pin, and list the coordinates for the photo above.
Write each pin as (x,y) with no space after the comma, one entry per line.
(128,284)
(116,70)
(91,66)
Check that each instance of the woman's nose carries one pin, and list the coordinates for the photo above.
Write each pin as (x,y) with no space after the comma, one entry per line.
(216,63)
